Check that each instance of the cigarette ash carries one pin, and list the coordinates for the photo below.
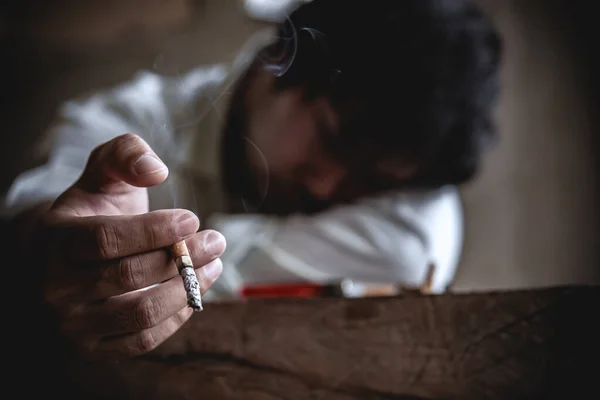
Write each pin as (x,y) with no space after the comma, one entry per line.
(192,288)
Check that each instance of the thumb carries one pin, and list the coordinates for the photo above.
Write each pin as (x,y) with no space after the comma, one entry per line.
(125,160)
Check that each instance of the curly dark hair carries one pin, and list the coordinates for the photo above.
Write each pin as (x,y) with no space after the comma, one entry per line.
(412,79)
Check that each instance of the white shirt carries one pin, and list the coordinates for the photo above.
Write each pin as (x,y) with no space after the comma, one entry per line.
(392,238)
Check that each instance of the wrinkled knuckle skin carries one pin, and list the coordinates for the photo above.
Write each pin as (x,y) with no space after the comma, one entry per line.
(146,342)
(128,137)
(106,241)
(126,141)
(146,313)
(120,320)
(182,317)
(131,273)
(153,235)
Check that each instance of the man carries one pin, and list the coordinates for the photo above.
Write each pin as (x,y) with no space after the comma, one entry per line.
(336,156)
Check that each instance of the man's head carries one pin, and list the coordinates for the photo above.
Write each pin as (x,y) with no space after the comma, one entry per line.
(356,98)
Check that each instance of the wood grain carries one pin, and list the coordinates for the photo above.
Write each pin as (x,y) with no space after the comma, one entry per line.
(509,345)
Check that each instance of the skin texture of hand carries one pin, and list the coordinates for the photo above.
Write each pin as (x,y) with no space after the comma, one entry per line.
(99,245)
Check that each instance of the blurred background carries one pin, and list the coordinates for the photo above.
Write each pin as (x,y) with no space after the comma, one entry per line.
(531,216)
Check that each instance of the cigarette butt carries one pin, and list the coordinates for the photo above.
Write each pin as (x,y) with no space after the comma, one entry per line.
(427,287)
(358,289)
(184,264)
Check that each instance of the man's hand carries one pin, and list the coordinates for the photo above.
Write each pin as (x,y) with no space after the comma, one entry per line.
(100,244)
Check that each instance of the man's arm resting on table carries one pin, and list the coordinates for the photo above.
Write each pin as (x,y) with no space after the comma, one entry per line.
(356,242)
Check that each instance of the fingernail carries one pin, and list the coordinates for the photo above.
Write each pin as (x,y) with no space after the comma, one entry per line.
(214,244)
(148,164)
(213,269)
(187,224)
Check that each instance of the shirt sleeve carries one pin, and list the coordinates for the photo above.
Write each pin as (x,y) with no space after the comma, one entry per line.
(149,105)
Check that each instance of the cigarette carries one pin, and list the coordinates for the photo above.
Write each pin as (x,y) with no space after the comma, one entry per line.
(183,261)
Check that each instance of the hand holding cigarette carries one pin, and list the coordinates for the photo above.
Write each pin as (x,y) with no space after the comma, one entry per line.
(102,245)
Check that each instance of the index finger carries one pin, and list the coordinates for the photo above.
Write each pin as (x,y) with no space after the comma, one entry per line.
(110,237)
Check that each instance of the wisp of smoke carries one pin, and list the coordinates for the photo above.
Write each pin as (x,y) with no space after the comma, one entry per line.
(279,64)
(172,146)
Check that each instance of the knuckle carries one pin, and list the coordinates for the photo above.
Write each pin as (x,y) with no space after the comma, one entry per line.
(128,137)
(119,143)
(106,240)
(182,316)
(153,234)
(146,313)
(127,141)
(131,272)
(146,342)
